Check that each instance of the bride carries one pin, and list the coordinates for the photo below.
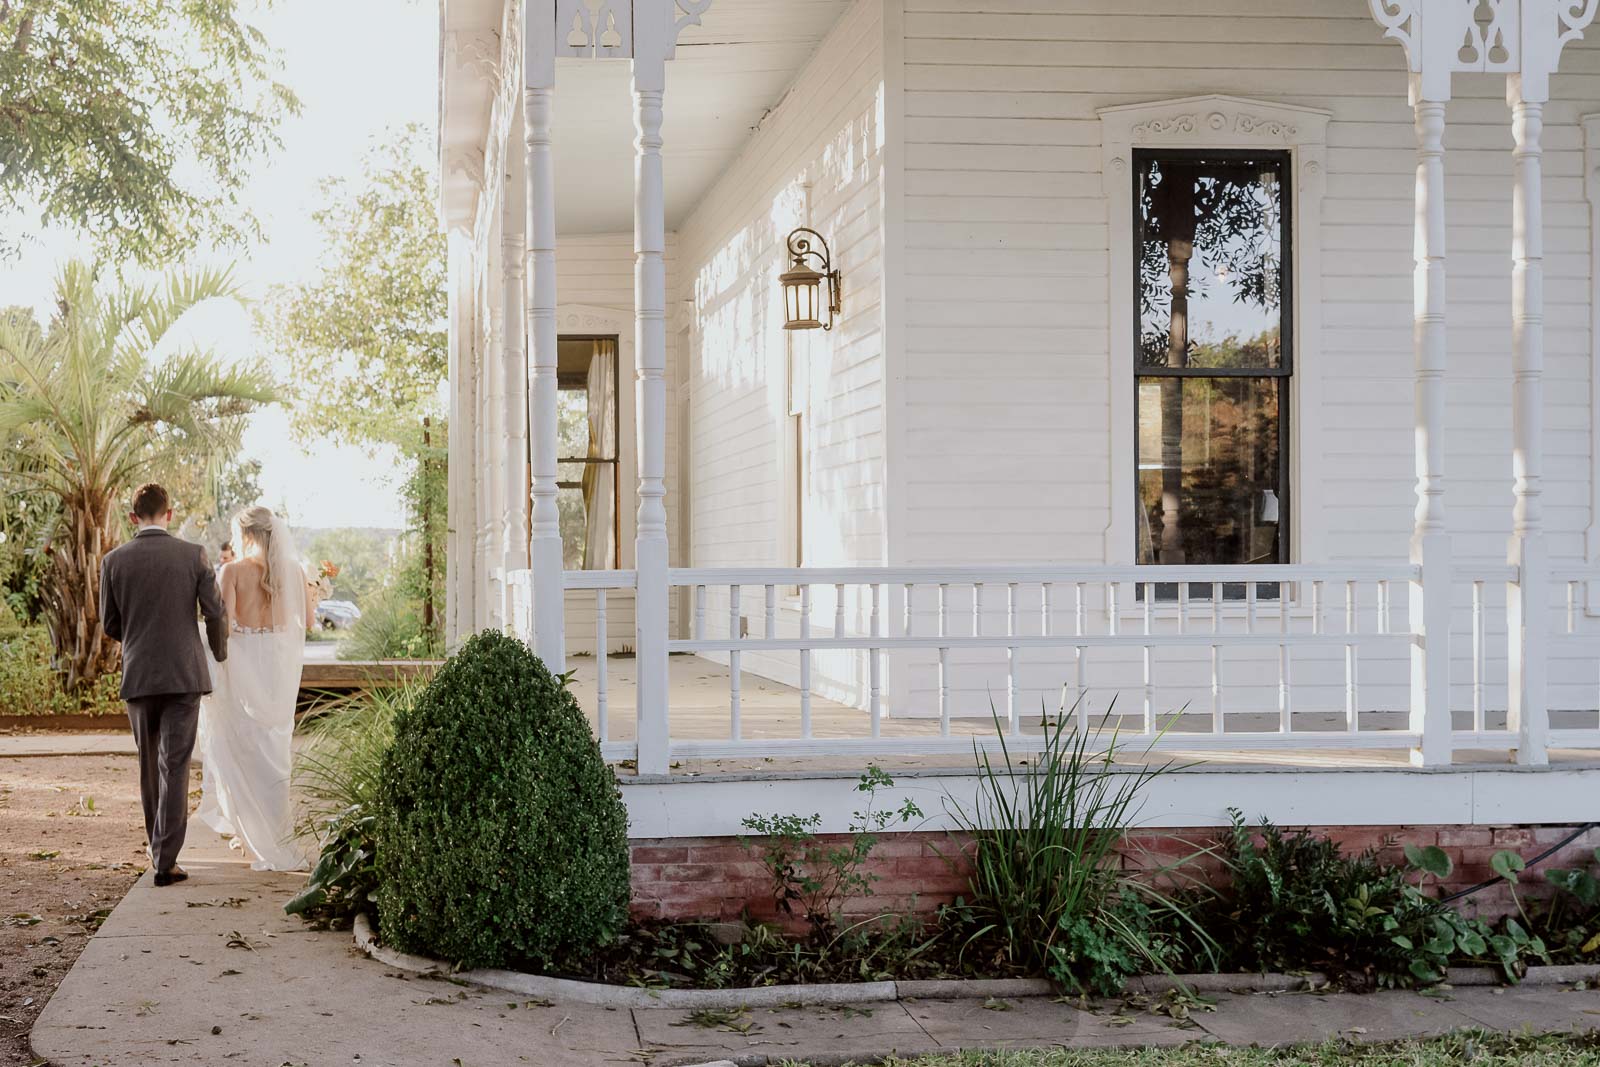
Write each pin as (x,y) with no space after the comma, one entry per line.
(247,721)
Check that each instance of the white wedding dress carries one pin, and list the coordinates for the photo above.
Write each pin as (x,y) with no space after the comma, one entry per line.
(247,723)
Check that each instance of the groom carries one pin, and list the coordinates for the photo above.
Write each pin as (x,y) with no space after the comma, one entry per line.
(150,590)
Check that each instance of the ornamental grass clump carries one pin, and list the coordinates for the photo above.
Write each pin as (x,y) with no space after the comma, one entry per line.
(1047,893)
(501,835)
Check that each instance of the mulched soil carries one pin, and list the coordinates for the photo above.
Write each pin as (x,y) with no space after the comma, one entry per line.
(71,845)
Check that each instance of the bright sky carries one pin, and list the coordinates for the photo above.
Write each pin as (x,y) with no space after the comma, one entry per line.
(360,67)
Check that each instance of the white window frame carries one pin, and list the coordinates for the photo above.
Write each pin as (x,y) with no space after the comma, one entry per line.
(1215,121)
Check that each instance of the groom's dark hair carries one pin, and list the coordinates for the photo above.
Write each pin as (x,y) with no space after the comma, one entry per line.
(150,501)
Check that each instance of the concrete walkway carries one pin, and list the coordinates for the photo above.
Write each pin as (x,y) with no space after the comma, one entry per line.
(212,972)
(68,743)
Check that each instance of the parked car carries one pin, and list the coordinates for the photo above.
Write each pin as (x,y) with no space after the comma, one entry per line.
(337,614)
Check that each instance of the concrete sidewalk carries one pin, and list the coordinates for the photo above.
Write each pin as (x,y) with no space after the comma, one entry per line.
(211,971)
(68,743)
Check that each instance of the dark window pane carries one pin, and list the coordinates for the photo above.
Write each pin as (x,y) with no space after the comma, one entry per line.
(1208,468)
(1211,285)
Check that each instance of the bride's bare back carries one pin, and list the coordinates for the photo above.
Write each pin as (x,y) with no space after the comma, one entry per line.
(248,603)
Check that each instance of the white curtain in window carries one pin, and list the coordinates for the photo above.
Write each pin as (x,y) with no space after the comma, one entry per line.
(599,479)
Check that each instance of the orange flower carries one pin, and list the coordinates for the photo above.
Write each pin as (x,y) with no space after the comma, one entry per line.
(330,569)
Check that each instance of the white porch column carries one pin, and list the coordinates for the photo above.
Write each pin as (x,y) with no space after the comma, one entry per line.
(1430,543)
(515,495)
(492,463)
(539,71)
(472,444)
(1527,614)
(651,41)
(461,506)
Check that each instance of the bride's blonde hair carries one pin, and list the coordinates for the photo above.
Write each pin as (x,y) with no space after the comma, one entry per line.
(254,525)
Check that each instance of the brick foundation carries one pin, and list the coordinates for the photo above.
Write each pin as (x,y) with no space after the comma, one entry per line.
(714,878)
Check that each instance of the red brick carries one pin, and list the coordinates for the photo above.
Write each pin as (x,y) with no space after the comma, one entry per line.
(1549,835)
(659,854)
(931,867)
(692,872)
(898,846)
(1512,836)
(722,853)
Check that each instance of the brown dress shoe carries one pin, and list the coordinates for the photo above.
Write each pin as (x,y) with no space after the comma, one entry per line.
(170,875)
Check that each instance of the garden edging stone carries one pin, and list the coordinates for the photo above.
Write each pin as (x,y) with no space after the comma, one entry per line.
(824,994)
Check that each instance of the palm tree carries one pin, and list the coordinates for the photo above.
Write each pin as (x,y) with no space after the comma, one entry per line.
(88,411)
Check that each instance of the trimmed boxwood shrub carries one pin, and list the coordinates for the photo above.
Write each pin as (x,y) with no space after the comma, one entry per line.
(501,835)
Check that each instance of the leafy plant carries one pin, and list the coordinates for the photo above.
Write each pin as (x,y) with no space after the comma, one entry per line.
(344,881)
(88,411)
(816,876)
(1044,834)
(337,775)
(31,685)
(501,835)
(1569,923)
(137,121)
(1296,901)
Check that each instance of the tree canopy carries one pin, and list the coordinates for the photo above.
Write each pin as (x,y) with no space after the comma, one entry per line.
(367,339)
(88,410)
(135,121)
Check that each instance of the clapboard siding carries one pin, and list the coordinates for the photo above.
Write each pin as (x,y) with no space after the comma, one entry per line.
(1005,448)
(822,145)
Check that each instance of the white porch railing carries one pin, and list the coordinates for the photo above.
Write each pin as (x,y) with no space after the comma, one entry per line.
(922,660)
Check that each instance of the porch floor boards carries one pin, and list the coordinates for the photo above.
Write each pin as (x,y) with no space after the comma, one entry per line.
(769,709)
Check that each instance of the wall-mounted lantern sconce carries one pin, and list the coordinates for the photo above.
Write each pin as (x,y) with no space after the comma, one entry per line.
(802,286)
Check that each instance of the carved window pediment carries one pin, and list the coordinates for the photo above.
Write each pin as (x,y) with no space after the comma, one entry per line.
(1213,121)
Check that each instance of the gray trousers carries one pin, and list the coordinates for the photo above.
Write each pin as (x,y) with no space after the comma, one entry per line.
(163,729)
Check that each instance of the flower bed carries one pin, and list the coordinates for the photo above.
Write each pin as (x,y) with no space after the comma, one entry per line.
(1040,873)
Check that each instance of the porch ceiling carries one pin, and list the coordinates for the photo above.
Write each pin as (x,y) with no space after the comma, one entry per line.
(728,74)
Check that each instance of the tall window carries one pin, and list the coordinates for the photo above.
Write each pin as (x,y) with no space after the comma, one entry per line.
(586,470)
(1214,356)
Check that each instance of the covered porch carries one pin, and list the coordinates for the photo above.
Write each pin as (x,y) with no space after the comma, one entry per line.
(1422,645)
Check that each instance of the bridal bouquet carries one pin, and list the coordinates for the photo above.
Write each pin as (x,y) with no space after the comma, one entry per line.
(327,571)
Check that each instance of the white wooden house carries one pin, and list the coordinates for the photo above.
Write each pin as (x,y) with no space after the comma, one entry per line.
(1232,359)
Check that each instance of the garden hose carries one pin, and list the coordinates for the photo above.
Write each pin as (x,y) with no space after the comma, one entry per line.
(1540,858)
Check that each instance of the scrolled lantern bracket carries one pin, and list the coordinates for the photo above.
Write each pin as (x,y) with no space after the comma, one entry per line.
(802,282)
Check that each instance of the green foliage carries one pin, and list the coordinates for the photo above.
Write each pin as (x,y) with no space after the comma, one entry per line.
(87,412)
(501,834)
(136,121)
(1045,830)
(1466,1046)
(211,495)
(421,577)
(336,776)
(818,877)
(29,685)
(703,956)
(389,628)
(1569,923)
(344,881)
(366,339)
(1297,902)
(362,556)
(1126,937)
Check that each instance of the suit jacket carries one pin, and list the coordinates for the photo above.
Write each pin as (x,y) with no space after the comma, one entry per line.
(151,590)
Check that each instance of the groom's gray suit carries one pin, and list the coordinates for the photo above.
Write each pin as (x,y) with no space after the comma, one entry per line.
(151,590)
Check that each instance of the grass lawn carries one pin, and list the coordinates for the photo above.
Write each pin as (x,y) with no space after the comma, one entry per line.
(1480,1050)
